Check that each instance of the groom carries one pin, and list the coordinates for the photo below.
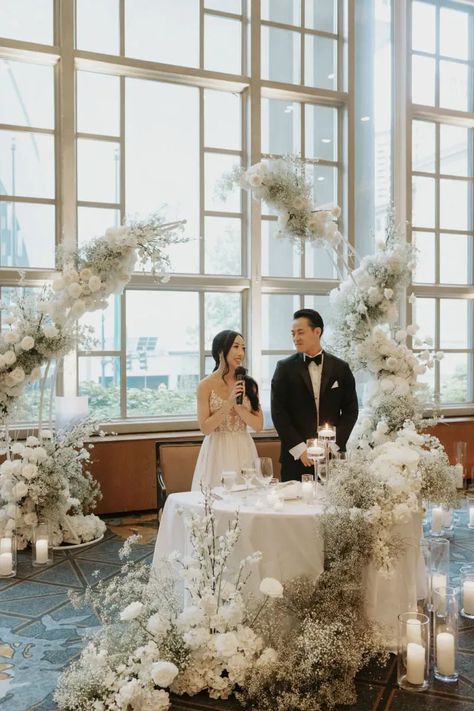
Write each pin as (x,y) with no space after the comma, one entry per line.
(310,388)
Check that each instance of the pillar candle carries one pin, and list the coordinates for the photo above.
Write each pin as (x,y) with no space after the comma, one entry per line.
(414,631)
(6,563)
(41,551)
(307,490)
(459,475)
(415,663)
(468,597)
(5,545)
(445,653)
(436,519)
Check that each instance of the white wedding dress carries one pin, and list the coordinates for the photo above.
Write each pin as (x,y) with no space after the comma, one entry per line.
(228,448)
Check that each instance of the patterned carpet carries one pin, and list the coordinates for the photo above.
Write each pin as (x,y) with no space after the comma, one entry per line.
(40,631)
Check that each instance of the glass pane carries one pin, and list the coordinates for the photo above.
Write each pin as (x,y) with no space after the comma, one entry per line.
(99,379)
(27,235)
(224,5)
(455,271)
(423,197)
(318,263)
(163,31)
(215,166)
(93,222)
(27,20)
(223,240)
(277,317)
(27,164)
(281,127)
(98,171)
(98,104)
(106,325)
(162,157)
(423,80)
(320,132)
(456,157)
(456,386)
(222,120)
(222,311)
(162,353)
(453,83)
(454,324)
(320,303)
(280,257)
(454,33)
(424,315)
(27,94)
(222,44)
(286,11)
(425,258)
(320,56)
(423,146)
(321,15)
(281,55)
(27,406)
(454,204)
(423,27)
(97,26)
(325,185)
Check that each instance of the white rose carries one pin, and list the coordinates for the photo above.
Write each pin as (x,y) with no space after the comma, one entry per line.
(32,441)
(11,337)
(85,274)
(50,331)
(74,290)
(70,276)
(268,656)
(439,355)
(298,203)
(388,293)
(271,587)
(35,374)
(29,471)
(157,625)
(164,673)
(400,335)
(336,211)
(27,343)
(226,644)
(255,180)
(30,519)
(131,611)
(9,357)
(19,490)
(94,283)
(412,329)
(58,284)
(18,374)
(78,308)
(6,467)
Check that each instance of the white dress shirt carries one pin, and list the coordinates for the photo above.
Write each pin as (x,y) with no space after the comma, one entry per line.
(315,372)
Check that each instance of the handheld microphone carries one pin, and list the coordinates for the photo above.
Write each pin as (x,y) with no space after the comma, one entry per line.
(240,373)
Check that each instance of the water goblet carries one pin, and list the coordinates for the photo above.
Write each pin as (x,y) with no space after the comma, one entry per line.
(264,470)
(228,480)
(247,475)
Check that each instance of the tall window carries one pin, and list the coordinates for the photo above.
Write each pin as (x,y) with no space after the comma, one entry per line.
(442,182)
(144,105)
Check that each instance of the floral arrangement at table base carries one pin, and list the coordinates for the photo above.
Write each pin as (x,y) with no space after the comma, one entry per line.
(48,477)
(150,645)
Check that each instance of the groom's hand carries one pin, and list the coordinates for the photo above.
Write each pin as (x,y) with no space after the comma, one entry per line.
(305,459)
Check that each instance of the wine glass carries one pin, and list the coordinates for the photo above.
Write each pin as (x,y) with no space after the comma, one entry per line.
(264,469)
(247,472)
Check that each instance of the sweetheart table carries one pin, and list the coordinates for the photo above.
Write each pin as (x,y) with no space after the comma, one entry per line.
(291,544)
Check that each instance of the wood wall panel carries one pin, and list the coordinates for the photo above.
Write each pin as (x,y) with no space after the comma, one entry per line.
(126,468)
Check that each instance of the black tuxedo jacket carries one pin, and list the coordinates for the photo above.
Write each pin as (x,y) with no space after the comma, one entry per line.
(294,407)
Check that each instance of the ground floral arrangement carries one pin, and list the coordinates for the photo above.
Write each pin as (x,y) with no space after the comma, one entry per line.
(47,477)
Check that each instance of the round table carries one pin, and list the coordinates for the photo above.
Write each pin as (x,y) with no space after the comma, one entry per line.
(291,544)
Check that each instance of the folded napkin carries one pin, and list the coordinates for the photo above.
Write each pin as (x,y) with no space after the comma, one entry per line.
(288,489)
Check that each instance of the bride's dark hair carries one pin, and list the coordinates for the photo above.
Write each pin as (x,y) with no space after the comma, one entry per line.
(222,343)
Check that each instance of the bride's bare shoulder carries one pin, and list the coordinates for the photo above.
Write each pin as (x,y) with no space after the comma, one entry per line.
(207,384)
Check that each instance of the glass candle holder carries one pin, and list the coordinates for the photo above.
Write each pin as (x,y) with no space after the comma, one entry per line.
(307,488)
(438,565)
(7,555)
(470,510)
(467,591)
(437,521)
(445,634)
(42,547)
(413,659)
(326,433)
(448,520)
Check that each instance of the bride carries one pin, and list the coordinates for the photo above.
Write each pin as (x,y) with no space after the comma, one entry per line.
(227,444)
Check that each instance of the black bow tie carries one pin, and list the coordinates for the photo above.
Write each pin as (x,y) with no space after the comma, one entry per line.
(315,359)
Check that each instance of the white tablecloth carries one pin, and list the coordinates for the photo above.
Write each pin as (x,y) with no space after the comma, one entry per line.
(291,544)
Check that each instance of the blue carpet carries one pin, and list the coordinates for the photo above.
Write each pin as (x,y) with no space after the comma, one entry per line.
(41,632)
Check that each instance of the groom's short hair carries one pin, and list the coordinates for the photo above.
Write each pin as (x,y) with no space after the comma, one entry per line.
(314,318)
